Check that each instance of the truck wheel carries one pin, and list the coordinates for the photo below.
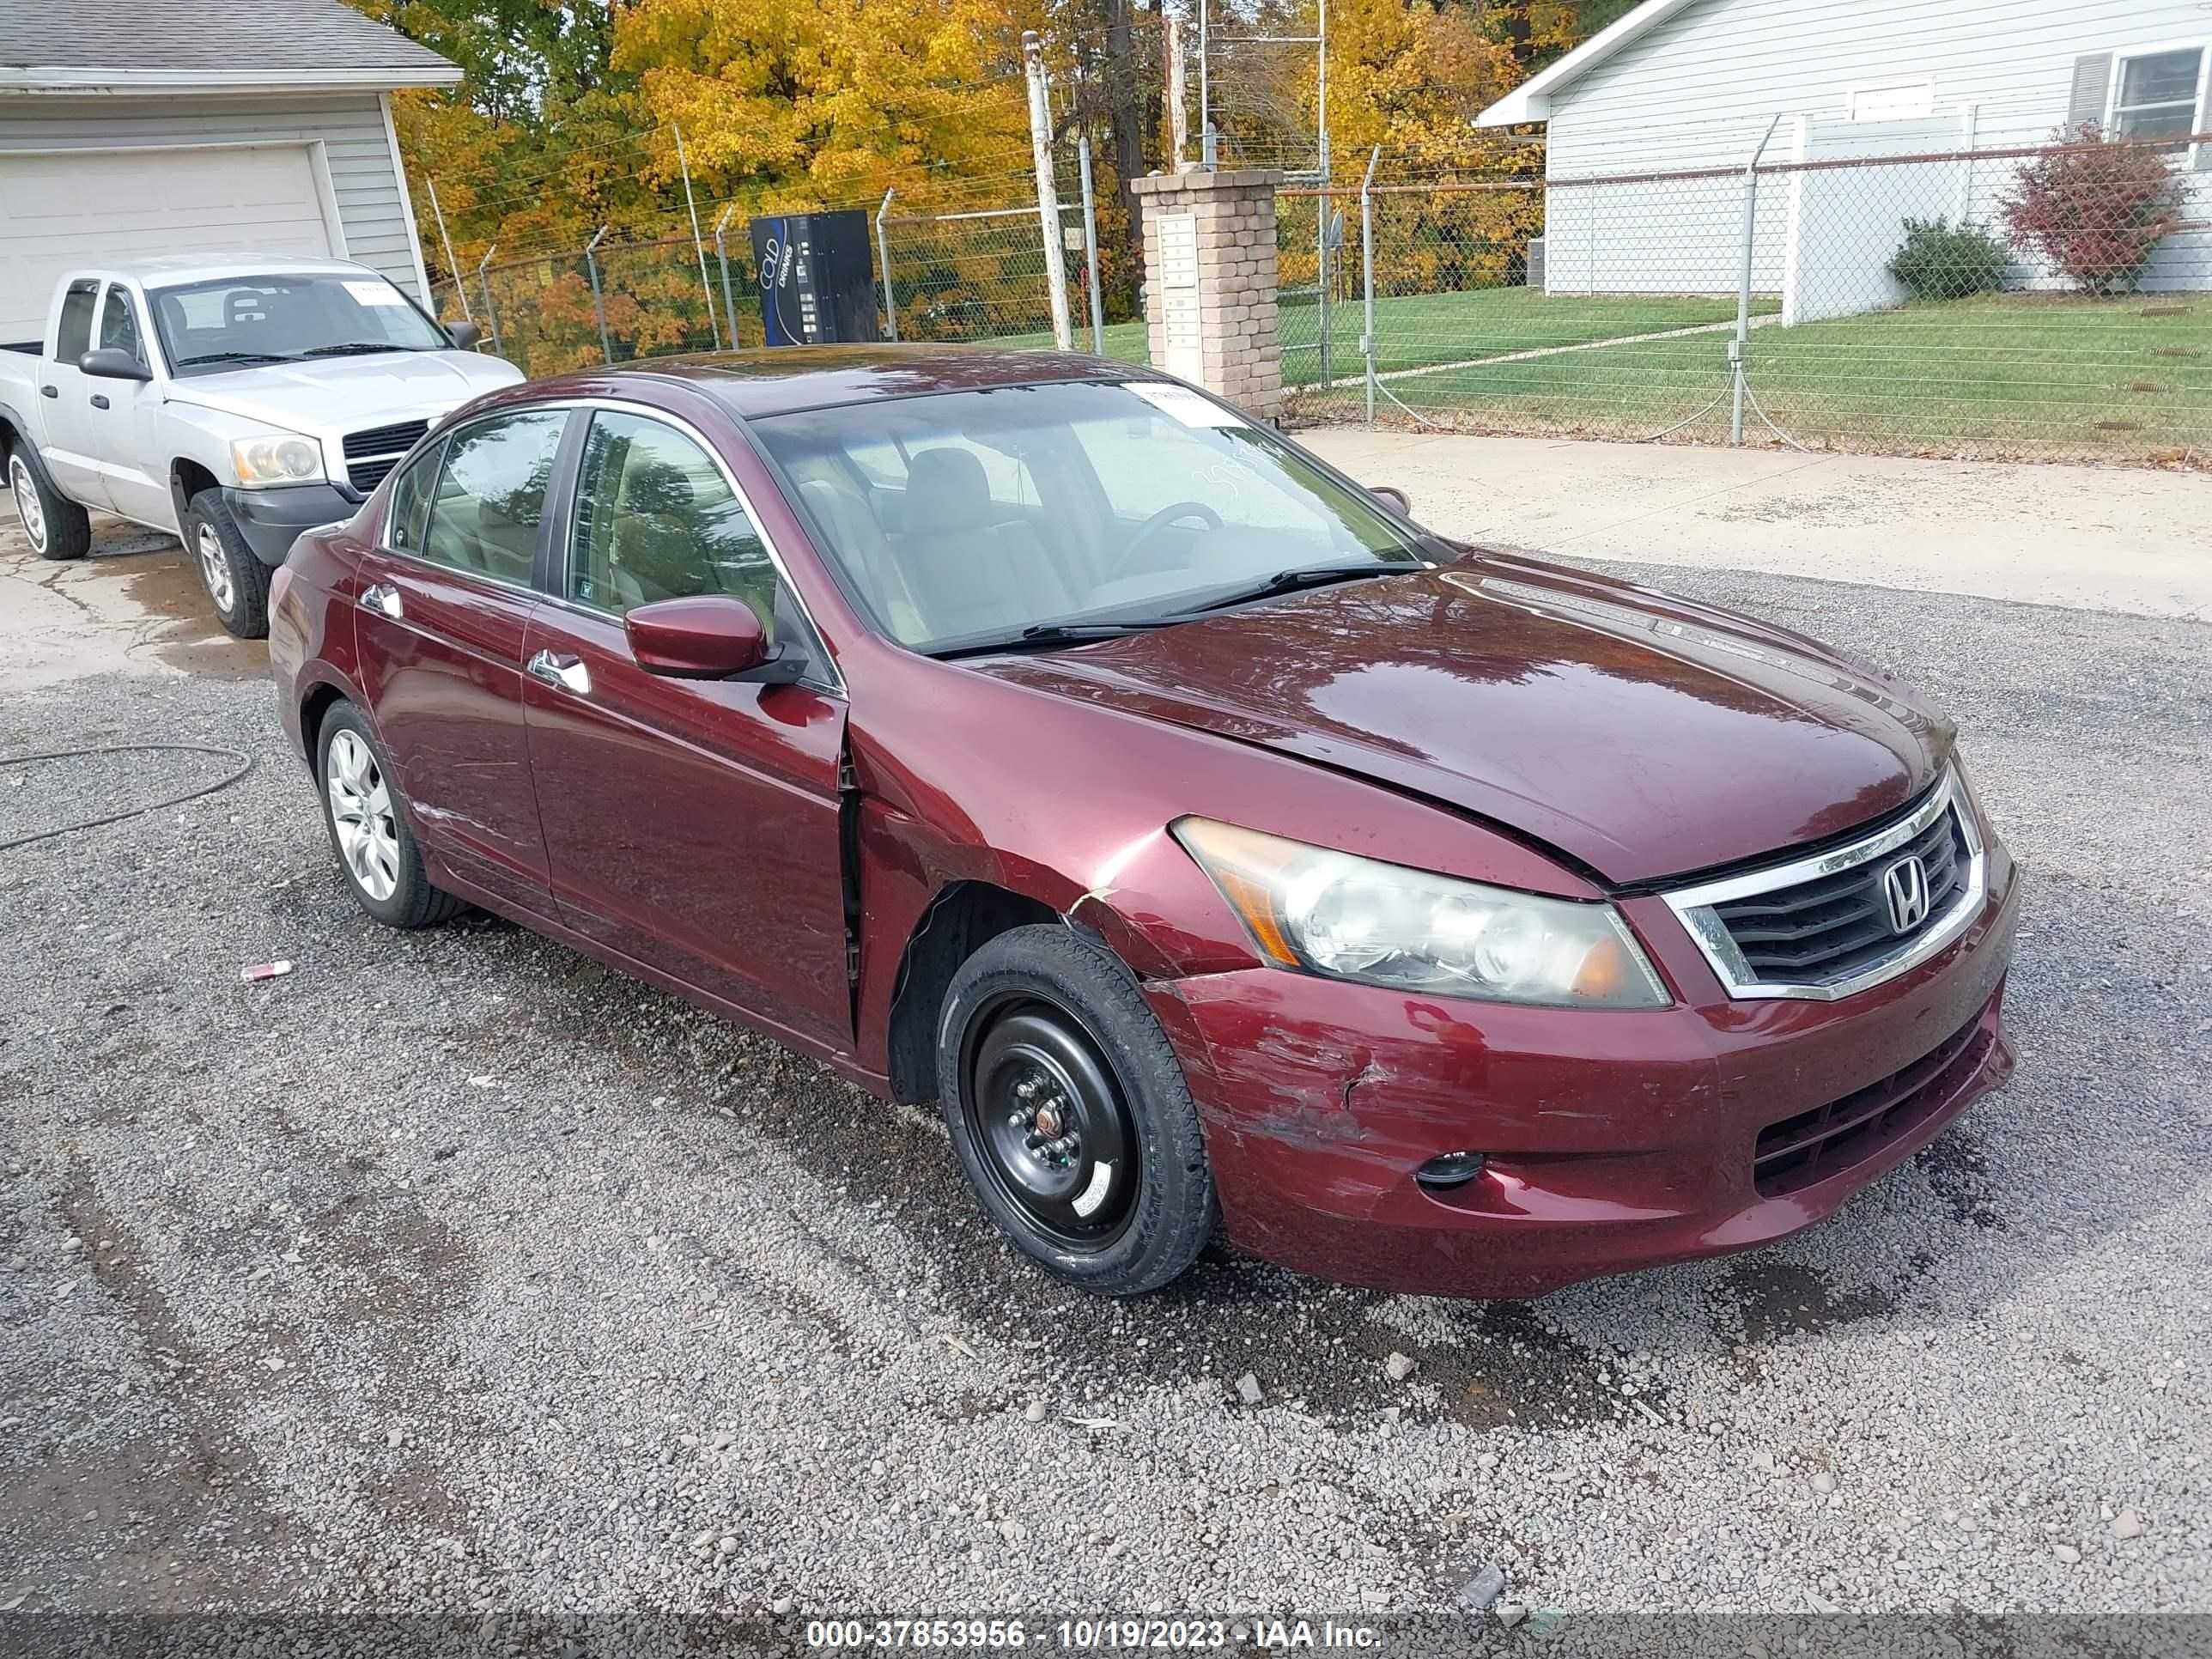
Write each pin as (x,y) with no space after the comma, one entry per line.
(57,526)
(235,580)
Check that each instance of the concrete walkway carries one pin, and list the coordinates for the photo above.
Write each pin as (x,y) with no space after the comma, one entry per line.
(2096,538)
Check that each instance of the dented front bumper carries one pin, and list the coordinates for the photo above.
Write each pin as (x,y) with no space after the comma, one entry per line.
(1614,1140)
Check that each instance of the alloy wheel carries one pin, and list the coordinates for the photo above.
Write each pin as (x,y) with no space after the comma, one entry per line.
(214,566)
(360,811)
(1046,1113)
(24,489)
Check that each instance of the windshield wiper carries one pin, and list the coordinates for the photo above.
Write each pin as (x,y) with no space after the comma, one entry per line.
(1309,575)
(1052,633)
(234,357)
(353,349)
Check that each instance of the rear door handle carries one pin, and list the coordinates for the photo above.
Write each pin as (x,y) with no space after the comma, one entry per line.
(383,598)
(49,392)
(99,400)
(567,673)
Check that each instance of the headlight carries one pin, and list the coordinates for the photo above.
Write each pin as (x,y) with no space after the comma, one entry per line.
(281,459)
(1381,924)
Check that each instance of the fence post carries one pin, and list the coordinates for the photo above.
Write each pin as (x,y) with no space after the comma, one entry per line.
(1178,116)
(452,264)
(1055,266)
(883,259)
(698,246)
(722,259)
(598,299)
(1367,275)
(1090,247)
(491,309)
(1739,348)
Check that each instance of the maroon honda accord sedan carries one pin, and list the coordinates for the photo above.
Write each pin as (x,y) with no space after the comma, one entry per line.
(1221,849)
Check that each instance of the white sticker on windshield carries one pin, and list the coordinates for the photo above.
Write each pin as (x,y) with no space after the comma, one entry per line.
(375,293)
(1184,404)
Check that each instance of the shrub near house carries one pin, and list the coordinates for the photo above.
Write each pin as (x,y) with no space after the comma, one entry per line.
(2096,211)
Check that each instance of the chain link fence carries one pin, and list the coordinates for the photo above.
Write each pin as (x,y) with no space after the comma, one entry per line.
(2046,301)
(958,274)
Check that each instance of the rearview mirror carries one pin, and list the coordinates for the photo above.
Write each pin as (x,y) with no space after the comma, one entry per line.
(1393,497)
(112,363)
(710,636)
(463,335)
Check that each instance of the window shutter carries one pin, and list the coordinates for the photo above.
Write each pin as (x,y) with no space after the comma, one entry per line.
(2092,82)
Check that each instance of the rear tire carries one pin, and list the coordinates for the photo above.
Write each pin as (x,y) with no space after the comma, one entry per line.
(55,526)
(367,824)
(237,582)
(1070,1113)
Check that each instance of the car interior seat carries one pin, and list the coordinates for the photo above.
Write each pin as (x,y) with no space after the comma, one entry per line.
(974,565)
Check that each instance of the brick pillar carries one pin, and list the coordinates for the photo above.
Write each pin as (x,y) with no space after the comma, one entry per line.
(1210,283)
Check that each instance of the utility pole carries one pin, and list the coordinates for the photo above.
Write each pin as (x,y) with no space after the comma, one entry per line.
(698,243)
(452,264)
(1055,265)
(1178,112)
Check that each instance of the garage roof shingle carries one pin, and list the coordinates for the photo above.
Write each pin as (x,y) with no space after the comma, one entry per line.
(175,36)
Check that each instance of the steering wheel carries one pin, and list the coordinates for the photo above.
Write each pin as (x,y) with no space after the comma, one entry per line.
(1173,514)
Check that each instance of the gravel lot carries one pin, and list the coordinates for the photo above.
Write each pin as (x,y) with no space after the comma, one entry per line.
(453,1272)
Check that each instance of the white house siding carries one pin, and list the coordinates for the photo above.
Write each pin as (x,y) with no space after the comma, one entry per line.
(364,174)
(1699,90)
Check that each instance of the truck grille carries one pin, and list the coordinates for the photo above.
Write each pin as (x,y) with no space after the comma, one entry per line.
(1810,1147)
(1829,928)
(373,454)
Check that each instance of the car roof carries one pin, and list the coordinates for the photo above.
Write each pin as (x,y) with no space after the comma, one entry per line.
(168,270)
(782,380)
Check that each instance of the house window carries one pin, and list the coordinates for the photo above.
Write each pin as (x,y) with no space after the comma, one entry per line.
(1904,100)
(2156,95)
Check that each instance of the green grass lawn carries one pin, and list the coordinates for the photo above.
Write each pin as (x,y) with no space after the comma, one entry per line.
(2129,378)
(1415,330)
(2126,379)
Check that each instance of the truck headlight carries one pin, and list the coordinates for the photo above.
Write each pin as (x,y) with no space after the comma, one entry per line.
(279,459)
(1331,914)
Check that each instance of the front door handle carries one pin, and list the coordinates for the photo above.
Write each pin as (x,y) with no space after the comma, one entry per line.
(567,673)
(99,400)
(383,598)
(49,392)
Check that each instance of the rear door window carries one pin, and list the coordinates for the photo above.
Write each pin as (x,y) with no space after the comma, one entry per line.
(75,338)
(490,498)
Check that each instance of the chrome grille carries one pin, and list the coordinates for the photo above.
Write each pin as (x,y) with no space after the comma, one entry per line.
(373,453)
(1821,927)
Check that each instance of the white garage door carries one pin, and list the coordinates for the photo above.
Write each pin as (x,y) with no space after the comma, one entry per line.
(59,211)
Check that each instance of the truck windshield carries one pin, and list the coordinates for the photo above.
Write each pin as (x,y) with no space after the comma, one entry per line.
(235,322)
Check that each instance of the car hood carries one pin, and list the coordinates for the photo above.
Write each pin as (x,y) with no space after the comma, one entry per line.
(1641,736)
(349,393)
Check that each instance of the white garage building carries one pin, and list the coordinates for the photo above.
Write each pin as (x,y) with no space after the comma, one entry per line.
(135,127)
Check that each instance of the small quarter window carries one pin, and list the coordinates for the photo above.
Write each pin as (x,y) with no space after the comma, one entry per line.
(118,323)
(411,502)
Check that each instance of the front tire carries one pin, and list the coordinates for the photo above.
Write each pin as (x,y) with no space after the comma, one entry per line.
(55,526)
(1070,1113)
(237,582)
(368,828)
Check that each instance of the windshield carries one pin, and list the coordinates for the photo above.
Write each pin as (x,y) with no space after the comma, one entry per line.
(970,517)
(235,322)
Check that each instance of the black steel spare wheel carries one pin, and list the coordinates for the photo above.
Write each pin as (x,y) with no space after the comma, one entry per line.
(1070,1113)
(1049,1115)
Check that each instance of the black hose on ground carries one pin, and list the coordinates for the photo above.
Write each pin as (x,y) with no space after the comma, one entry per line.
(245,765)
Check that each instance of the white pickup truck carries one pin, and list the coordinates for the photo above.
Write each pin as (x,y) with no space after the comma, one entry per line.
(233,402)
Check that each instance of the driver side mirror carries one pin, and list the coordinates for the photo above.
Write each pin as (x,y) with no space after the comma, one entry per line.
(708,636)
(1394,498)
(463,335)
(112,363)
